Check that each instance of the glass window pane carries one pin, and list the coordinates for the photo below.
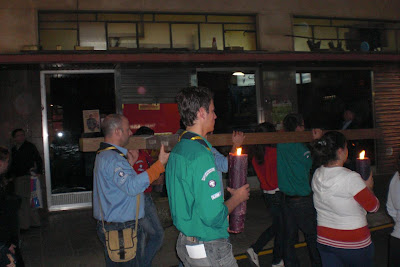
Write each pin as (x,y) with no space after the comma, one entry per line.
(57,17)
(298,80)
(306,77)
(208,32)
(87,17)
(325,33)
(345,23)
(122,35)
(156,35)
(180,18)
(232,19)
(247,40)
(343,32)
(308,21)
(304,30)
(71,96)
(92,34)
(390,44)
(58,25)
(249,27)
(185,36)
(119,17)
(300,44)
(344,35)
(50,39)
(148,17)
(235,99)
(278,95)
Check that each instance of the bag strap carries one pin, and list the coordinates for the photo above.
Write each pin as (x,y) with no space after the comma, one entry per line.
(105,147)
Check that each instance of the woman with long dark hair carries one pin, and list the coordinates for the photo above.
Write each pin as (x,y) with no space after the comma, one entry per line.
(342,199)
(264,163)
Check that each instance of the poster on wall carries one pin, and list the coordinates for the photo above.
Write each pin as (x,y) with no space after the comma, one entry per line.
(279,110)
(91,121)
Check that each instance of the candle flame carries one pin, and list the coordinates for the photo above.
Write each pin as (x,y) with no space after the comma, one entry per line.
(239,151)
(362,154)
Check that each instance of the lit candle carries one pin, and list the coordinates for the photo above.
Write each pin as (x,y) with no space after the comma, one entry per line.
(363,166)
(237,178)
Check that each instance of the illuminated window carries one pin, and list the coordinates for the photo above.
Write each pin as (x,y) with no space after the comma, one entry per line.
(331,34)
(67,30)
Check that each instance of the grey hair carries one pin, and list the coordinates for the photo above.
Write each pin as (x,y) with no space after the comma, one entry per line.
(111,123)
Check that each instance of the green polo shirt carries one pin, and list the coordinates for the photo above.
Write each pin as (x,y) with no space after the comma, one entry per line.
(294,164)
(194,191)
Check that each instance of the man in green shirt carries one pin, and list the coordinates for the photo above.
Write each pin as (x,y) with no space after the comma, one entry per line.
(194,189)
(294,163)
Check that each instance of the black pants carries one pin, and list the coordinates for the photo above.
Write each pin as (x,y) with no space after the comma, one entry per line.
(394,249)
(299,213)
(274,203)
(9,229)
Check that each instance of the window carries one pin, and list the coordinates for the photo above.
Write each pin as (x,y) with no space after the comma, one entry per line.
(68,30)
(331,34)
(121,35)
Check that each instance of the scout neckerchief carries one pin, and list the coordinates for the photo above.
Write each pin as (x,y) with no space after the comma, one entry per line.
(194,137)
(105,147)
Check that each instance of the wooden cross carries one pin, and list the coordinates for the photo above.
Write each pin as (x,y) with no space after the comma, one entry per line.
(169,141)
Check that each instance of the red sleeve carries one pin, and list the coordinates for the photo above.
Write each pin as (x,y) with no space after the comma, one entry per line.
(367,200)
(149,159)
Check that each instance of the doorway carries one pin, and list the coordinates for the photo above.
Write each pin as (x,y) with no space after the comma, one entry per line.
(235,98)
(73,104)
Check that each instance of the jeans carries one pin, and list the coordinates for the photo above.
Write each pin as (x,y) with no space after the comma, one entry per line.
(28,216)
(299,213)
(337,257)
(274,202)
(219,252)
(137,261)
(153,231)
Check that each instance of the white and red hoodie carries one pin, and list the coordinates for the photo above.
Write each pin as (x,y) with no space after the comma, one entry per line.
(342,200)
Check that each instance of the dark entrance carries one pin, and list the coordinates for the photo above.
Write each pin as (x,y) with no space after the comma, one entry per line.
(72,104)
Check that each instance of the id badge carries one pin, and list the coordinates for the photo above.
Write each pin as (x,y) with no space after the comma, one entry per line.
(196,251)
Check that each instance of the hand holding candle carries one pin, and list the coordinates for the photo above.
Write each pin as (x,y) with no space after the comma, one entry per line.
(363,166)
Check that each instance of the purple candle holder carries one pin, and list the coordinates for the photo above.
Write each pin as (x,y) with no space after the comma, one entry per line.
(237,178)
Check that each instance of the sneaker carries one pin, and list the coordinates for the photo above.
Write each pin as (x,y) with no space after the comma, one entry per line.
(280,264)
(253,257)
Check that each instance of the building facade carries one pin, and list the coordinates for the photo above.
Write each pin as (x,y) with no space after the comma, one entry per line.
(60,58)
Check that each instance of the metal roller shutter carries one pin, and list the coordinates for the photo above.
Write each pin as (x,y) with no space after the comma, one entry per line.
(152,85)
(387,116)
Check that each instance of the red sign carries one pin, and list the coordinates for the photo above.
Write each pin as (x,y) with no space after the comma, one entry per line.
(165,119)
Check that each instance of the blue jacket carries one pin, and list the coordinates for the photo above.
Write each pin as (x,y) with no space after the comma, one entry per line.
(116,184)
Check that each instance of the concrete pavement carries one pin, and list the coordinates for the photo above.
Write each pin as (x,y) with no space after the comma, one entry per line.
(69,238)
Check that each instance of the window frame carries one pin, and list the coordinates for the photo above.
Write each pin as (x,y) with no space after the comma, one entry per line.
(248,21)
